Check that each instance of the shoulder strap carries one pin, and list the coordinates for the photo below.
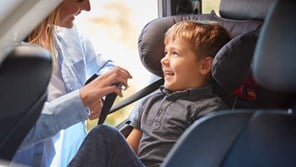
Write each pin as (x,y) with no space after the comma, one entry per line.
(109,100)
(138,95)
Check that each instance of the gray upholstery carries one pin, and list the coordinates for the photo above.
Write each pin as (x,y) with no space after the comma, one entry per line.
(243,138)
(244,9)
(275,55)
(231,65)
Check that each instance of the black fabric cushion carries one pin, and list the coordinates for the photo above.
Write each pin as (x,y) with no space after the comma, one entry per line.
(246,9)
(238,138)
(232,71)
(150,42)
(234,27)
(234,59)
(274,58)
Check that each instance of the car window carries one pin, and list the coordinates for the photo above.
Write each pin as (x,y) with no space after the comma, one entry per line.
(209,5)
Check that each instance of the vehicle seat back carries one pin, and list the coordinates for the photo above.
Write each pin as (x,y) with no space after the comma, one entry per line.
(24,77)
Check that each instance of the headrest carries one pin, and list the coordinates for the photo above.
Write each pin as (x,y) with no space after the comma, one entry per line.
(275,54)
(150,42)
(234,59)
(246,9)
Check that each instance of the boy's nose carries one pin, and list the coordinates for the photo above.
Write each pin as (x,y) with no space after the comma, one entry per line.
(164,60)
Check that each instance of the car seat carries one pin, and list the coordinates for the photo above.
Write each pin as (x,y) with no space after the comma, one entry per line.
(24,77)
(251,137)
(151,47)
(238,88)
(244,33)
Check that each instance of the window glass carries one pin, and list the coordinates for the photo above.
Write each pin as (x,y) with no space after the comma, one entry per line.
(209,5)
(114,26)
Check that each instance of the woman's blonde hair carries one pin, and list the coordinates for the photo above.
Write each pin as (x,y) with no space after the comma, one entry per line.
(43,34)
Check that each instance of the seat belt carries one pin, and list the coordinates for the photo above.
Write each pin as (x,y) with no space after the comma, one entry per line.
(138,95)
(107,104)
(110,98)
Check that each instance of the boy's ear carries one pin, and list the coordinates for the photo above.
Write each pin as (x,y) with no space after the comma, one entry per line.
(206,65)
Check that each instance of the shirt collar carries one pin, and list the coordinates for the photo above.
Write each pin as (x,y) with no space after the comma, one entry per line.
(191,93)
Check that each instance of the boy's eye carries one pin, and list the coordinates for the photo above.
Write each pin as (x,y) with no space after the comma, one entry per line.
(175,54)
(79,1)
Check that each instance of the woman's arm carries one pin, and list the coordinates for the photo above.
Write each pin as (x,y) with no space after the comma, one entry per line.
(57,114)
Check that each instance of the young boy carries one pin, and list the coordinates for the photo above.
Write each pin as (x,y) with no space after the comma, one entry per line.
(185,96)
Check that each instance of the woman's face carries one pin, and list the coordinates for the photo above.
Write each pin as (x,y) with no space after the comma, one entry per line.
(69,9)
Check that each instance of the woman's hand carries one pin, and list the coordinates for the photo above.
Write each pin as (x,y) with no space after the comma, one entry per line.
(103,85)
(95,110)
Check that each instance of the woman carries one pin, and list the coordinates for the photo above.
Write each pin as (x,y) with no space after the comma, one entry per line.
(69,101)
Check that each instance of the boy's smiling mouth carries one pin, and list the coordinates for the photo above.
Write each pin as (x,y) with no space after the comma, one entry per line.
(168,73)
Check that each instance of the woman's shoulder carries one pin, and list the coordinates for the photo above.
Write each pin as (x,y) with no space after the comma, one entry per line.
(67,33)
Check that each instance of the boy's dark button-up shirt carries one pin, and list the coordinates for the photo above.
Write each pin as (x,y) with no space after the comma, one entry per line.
(164,116)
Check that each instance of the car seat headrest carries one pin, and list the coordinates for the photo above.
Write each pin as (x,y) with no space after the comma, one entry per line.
(274,58)
(150,41)
(246,9)
(231,65)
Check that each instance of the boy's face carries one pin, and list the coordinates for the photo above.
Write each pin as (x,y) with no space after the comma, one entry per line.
(181,67)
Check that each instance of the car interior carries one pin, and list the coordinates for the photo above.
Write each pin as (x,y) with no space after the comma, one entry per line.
(232,64)
(261,117)
(254,73)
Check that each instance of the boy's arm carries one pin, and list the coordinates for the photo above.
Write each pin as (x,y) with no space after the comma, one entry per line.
(133,138)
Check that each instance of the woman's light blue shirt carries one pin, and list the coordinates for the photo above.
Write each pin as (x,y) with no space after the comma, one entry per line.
(77,61)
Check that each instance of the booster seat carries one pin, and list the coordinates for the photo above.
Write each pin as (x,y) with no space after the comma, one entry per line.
(231,66)
(151,47)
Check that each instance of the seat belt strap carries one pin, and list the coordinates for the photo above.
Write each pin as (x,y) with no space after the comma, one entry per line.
(109,100)
(138,95)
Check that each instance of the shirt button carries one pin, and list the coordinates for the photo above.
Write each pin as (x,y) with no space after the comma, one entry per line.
(156,126)
(159,112)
